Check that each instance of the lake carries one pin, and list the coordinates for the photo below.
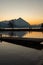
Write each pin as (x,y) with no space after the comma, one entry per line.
(12,54)
(24,34)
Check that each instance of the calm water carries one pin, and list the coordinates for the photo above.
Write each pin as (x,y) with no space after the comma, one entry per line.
(24,34)
(12,54)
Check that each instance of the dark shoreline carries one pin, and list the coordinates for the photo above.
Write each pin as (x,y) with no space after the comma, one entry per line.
(27,42)
(20,29)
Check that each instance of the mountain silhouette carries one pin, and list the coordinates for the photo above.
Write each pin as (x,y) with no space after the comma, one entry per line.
(21,23)
(17,23)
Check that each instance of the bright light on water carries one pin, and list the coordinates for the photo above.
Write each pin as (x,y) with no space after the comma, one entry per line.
(23,34)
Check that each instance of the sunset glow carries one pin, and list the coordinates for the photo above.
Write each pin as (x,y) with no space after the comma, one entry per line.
(29,10)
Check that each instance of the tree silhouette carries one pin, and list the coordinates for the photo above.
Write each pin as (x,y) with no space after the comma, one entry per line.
(41,25)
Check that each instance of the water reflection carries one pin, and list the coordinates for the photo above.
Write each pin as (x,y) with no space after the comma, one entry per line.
(19,55)
(25,34)
(15,33)
(33,35)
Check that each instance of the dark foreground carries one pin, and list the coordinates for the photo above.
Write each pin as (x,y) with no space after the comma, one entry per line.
(27,42)
(20,29)
(12,54)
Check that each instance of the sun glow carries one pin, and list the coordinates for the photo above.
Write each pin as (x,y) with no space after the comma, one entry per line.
(29,20)
(34,21)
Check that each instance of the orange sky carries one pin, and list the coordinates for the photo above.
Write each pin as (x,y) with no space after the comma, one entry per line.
(34,21)
(39,21)
(29,10)
(31,21)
